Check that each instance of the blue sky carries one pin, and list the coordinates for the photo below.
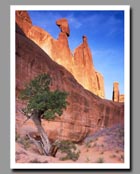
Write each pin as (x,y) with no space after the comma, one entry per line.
(105,33)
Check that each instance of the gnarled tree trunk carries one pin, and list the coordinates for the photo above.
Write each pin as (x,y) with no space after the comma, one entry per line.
(45,141)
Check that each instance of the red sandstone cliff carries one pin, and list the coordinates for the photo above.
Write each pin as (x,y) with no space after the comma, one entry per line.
(80,64)
(85,113)
(84,69)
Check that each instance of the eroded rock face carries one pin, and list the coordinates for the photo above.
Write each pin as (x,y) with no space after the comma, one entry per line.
(63,25)
(80,64)
(121,98)
(24,21)
(116,94)
(85,71)
(85,113)
(100,83)
(117,97)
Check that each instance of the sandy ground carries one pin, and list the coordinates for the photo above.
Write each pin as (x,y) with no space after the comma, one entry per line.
(97,150)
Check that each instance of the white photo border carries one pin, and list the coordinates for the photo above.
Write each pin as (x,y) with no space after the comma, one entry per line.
(126,164)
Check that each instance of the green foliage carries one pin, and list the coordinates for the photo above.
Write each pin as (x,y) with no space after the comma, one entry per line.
(26,142)
(23,140)
(37,161)
(38,85)
(42,101)
(68,148)
(17,137)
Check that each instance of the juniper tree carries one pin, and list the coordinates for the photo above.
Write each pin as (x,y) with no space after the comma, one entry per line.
(42,103)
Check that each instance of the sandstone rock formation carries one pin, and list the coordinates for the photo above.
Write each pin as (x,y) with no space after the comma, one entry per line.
(83,68)
(23,20)
(63,24)
(85,113)
(80,64)
(121,98)
(100,83)
(117,97)
(116,93)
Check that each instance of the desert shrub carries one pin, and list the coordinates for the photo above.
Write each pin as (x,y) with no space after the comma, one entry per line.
(24,141)
(69,149)
(17,137)
(37,161)
(87,144)
(100,160)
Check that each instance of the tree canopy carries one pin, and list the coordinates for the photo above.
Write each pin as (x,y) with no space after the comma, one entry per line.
(40,99)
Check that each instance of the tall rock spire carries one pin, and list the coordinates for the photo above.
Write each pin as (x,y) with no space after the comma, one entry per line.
(115,96)
(85,71)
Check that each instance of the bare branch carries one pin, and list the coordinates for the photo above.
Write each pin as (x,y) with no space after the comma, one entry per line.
(25,121)
(21,111)
(38,144)
(29,116)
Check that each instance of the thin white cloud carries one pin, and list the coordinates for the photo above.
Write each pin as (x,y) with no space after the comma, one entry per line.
(73,21)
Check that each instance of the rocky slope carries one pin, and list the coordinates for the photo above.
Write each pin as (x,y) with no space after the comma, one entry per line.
(85,113)
(80,63)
